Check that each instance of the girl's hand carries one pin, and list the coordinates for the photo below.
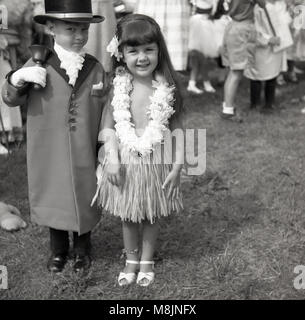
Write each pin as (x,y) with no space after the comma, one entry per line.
(114,173)
(173,181)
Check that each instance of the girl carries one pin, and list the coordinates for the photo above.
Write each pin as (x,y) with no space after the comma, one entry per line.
(133,182)
(269,56)
(205,40)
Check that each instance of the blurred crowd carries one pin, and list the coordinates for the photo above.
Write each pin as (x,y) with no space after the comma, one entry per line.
(194,31)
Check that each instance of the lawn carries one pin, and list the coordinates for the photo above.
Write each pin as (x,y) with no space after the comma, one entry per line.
(240,236)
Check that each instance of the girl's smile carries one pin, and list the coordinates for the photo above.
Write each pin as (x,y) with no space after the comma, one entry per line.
(141,60)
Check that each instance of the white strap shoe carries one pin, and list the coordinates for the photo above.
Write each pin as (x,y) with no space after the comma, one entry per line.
(127,278)
(3,150)
(144,279)
(208,87)
(193,89)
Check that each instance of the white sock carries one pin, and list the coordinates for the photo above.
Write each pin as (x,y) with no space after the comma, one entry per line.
(227,110)
(192,83)
(3,150)
(208,86)
(192,87)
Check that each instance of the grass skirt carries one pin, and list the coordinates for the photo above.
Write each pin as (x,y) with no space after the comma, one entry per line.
(140,197)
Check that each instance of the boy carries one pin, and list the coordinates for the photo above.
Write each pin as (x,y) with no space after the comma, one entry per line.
(239,35)
(63,120)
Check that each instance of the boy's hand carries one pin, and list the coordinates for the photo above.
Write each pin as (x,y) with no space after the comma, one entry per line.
(275,41)
(29,74)
(173,181)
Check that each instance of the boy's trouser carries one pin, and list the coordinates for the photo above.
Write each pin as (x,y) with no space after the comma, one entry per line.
(59,241)
(255,89)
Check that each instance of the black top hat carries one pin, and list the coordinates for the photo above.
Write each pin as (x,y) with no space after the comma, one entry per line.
(68,10)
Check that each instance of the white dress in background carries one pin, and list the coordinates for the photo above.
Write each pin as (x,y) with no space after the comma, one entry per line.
(206,35)
(11,117)
(297,51)
(100,34)
(173,17)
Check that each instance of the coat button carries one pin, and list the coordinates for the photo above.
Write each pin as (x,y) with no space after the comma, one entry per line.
(73,95)
(72,128)
(72,120)
(73,105)
(72,111)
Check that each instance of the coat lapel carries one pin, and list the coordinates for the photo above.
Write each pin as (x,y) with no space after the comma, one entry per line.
(88,65)
(55,63)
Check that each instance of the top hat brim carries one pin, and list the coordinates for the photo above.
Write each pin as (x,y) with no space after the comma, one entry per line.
(42,19)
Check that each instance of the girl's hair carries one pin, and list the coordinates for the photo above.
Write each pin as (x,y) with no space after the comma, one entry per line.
(139,29)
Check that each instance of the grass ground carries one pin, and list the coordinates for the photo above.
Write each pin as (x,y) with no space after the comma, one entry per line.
(240,237)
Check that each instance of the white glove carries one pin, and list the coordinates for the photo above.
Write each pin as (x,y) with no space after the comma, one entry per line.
(29,74)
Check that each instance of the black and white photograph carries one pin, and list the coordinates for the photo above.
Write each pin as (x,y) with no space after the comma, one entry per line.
(152,153)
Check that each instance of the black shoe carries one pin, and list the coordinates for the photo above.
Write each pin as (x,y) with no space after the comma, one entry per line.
(56,263)
(82,262)
(267,110)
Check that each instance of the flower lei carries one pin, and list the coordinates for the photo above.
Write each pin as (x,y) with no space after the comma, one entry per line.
(159,111)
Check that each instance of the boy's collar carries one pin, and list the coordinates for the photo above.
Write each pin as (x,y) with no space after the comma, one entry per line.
(89,63)
(59,48)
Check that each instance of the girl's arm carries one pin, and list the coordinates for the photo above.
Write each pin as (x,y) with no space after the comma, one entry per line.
(177,124)
(110,148)
(172,181)
(107,133)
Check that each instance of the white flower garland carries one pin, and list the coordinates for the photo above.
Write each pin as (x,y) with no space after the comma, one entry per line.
(159,112)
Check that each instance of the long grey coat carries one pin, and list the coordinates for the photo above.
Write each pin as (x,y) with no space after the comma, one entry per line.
(62,129)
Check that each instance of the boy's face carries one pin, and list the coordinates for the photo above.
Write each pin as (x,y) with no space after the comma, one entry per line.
(69,35)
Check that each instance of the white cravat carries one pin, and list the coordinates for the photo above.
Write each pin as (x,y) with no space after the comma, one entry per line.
(71,61)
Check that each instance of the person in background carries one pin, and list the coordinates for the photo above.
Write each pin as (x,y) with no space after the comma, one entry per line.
(173,18)
(205,41)
(267,62)
(239,38)
(100,34)
(14,43)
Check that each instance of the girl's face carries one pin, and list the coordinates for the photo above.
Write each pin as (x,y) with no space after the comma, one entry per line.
(70,36)
(141,60)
